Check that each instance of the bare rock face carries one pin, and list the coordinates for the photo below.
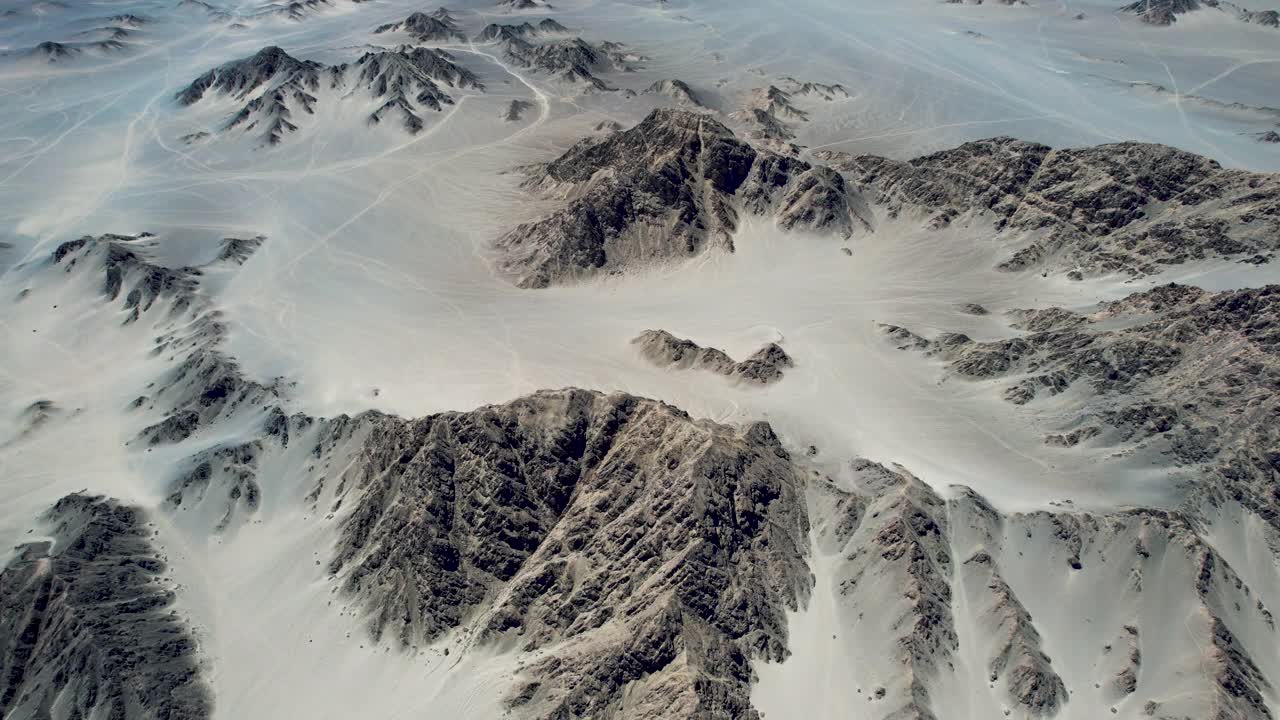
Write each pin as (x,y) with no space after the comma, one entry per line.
(1143,360)
(86,626)
(275,87)
(127,270)
(515,110)
(524,4)
(667,189)
(629,540)
(661,348)
(1128,208)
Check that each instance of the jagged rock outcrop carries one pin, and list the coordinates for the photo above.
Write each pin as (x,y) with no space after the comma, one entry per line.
(95,42)
(53,51)
(434,27)
(1012,644)
(407,81)
(515,110)
(86,622)
(1166,12)
(677,91)
(770,114)
(649,554)
(205,384)
(890,531)
(1143,361)
(1266,18)
(645,559)
(525,4)
(661,348)
(667,189)
(546,48)
(274,87)
(499,32)
(1128,208)
(239,250)
(630,541)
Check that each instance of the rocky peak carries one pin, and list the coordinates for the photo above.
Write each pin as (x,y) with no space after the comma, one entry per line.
(1125,207)
(1160,12)
(676,90)
(423,27)
(241,77)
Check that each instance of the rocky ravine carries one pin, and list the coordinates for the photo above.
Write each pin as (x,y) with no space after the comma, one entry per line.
(668,189)
(1129,208)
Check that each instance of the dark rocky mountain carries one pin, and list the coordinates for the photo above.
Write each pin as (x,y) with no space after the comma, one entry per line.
(525,4)
(515,110)
(1143,363)
(408,80)
(239,78)
(274,87)
(437,27)
(646,552)
(54,51)
(676,90)
(634,544)
(546,48)
(526,30)
(1161,12)
(640,556)
(1130,208)
(667,189)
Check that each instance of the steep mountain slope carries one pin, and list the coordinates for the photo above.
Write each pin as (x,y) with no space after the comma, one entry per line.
(1128,208)
(669,188)
(366,429)
(273,87)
